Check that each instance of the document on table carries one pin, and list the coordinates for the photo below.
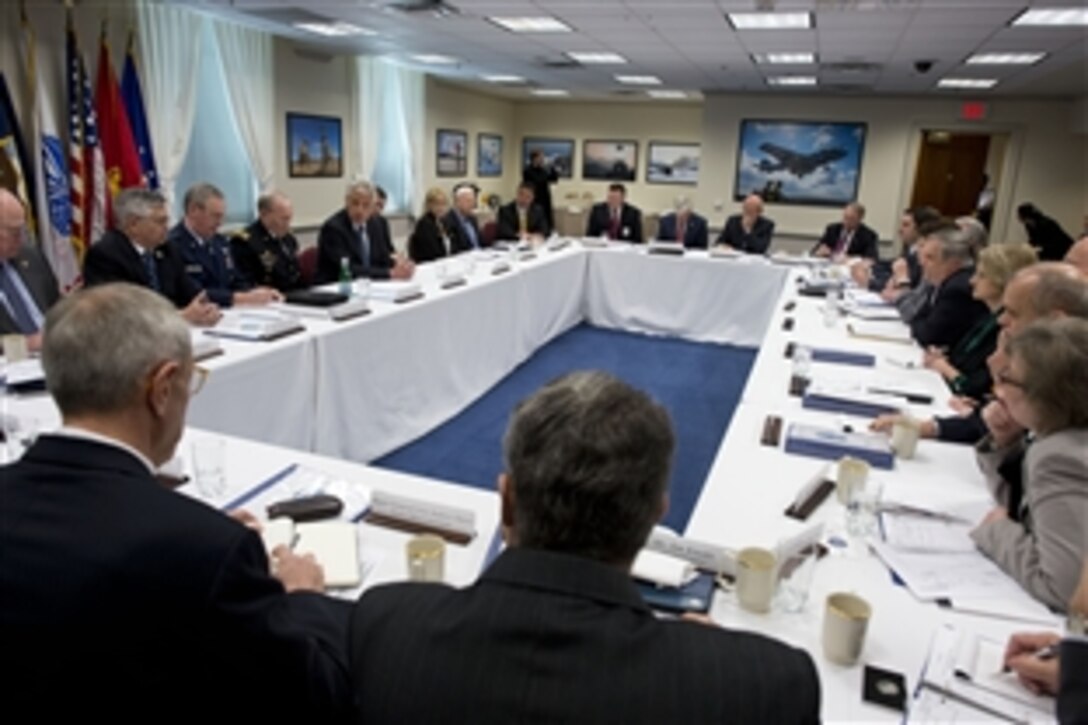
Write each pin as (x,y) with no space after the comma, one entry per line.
(880,330)
(925,533)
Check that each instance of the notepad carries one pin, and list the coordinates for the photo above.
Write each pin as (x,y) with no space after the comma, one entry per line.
(255,325)
(334,544)
(395,290)
(880,330)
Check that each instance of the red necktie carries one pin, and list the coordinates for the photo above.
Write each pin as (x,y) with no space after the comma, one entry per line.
(680,229)
(614,226)
(843,241)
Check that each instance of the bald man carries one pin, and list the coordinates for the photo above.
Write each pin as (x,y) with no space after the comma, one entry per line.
(266,252)
(1078,255)
(748,231)
(850,237)
(27,285)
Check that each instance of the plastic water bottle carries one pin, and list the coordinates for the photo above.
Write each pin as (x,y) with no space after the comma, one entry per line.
(345,277)
(831,306)
(802,361)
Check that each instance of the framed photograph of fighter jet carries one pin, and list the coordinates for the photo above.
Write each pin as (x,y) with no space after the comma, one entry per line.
(673,163)
(800,162)
(609,160)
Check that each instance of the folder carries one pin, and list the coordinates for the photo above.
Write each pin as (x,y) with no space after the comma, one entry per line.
(692,597)
(830,444)
(843,357)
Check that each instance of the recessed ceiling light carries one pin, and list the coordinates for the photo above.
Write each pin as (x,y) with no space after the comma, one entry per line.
(503,79)
(1053,16)
(550,92)
(433,59)
(335,30)
(972,83)
(1005,58)
(638,80)
(666,94)
(785,58)
(792,80)
(770,21)
(543,24)
(597,58)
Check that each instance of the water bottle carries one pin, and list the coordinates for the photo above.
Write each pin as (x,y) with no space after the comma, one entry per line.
(831,306)
(802,361)
(345,277)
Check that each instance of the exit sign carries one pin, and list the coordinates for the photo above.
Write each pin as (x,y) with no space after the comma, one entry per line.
(973,111)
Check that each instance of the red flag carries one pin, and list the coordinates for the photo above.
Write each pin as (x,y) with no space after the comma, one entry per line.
(118,147)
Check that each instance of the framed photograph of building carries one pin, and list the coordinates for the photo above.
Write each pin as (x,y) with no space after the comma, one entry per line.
(800,162)
(558,154)
(488,154)
(673,163)
(610,160)
(314,146)
(451,153)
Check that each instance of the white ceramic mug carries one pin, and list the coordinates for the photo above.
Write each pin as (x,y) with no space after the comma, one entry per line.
(756,579)
(846,619)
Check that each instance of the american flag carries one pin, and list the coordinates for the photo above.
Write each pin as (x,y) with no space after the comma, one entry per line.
(85,162)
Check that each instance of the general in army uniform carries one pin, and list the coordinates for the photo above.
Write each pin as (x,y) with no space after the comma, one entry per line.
(266,252)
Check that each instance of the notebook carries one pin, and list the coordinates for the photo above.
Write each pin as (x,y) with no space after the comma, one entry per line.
(334,544)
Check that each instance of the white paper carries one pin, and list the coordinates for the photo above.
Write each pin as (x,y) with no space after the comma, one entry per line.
(254,324)
(880,330)
(908,532)
(394,289)
(662,569)
(25,371)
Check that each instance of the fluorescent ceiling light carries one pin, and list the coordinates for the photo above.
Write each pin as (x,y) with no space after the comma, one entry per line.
(433,59)
(972,83)
(785,58)
(770,21)
(1005,58)
(639,80)
(503,79)
(335,30)
(597,58)
(550,92)
(1053,16)
(792,80)
(666,94)
(544,24)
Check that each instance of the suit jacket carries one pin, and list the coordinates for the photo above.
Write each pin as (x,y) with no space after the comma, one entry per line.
(550,637)
(428,243)
(695,233)
(126,599)
(542,178)
(969,357)
(337,239)
(950,313)
(39,281)
(755,242)
(1050,239)
(969,429)
(209,265)
(864,243)
(457,232)
(264,260)
(600,222)
(114,259)
(1073,688)
(507,221)
(1045,550)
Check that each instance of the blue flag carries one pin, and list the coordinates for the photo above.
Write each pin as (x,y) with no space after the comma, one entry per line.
(15,167)
(133,97)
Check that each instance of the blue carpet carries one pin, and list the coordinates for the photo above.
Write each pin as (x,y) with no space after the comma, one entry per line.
(699,384)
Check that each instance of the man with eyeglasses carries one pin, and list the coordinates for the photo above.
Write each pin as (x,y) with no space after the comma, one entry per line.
(27,285)
(123,597)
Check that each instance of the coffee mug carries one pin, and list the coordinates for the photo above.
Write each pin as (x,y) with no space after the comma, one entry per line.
(755,579)
(426,558)
(846,619)
(905,434)
(853,473)
(15,348)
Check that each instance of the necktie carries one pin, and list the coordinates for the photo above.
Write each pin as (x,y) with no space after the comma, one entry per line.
(152,270)
(364,247)
(19,312)
(470,232)
(681,227)
(844,239)
(614,226)
(523,224)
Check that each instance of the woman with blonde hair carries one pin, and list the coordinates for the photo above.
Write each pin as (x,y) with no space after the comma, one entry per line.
(431,239)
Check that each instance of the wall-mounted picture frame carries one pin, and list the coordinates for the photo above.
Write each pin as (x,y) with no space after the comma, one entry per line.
(314,146)
(609,160)
(488,154)
(799,162)
(672,163)
(558,153)
(451,152)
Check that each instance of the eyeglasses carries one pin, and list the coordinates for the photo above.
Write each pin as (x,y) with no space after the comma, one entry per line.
(197,380)
(1004,379)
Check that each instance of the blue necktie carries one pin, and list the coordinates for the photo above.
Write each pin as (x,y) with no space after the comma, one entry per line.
(471,233)
(364,247)
(19,312)
(148,258)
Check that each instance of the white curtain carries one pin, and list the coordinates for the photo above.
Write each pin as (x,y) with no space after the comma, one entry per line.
(390,127)
(169,55)
(247,66)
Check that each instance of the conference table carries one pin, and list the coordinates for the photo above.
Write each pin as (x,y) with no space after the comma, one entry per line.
(341,394)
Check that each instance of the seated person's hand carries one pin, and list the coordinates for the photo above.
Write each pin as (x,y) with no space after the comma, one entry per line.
(246,519)
(34,342)
(1002,427)
(297,573)
(202,312)
(861,274)
(698,618)
(402,268)
(822,251)
(890,293)
(257,296)
(1038,675)
(962,405)
(900,269)
(931,356)
(1079,603)
(884,424)
(996,514)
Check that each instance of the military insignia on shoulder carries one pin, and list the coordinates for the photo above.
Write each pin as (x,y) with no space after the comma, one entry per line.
(242,234)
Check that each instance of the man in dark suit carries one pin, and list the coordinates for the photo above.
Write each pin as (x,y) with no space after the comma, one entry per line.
(849,238)
(555,630)
(28,287)
(356,234)
(521,218)
(461,222)
(124,599)
(951,310)
(136,252)
(748,231)
(266,252)
(206,253)
(615,218)
(541,176)
(683,225)
(380,201)
(896,278)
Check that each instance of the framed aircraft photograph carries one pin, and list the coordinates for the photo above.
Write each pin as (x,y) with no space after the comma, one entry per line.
(452,152)
(673,163)
(488,154)
(313,146)
(799,162)
(558,153)
(609,160)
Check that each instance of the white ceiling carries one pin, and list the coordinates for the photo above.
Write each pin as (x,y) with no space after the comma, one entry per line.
(691,46)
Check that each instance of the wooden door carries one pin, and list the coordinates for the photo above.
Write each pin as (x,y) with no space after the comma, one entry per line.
(950,169)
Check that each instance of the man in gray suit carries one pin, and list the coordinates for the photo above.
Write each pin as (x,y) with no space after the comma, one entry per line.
(27,285)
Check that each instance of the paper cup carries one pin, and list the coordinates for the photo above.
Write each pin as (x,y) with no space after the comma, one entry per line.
(426,558)
(905,434)
(853,473)
(755,579)
(846,619)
